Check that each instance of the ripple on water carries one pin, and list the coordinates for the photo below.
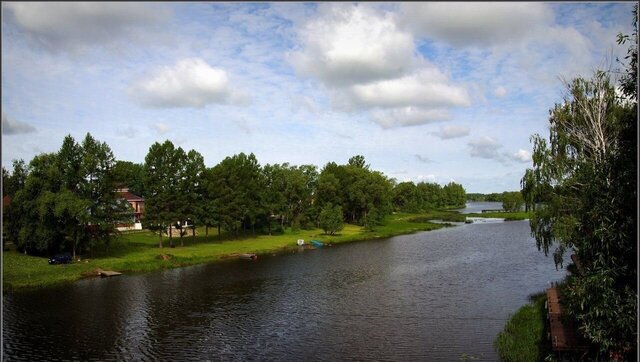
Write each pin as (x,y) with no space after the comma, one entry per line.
(427,296)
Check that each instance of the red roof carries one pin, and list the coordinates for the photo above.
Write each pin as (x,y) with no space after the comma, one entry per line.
(6,201)
(129,196)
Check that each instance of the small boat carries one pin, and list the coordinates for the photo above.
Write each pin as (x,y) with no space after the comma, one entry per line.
(248,256)
(300,242)
(317,243)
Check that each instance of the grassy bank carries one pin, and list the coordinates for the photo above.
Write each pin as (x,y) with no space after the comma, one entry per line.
(524,335)
(139,251)
(507,216)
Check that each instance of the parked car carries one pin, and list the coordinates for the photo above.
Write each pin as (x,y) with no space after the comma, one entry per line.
(60,259)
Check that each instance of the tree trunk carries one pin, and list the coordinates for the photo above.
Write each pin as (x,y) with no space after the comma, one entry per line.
(219,236)
(181,233)
(193,233)
(74,252)
(160,235)
(206,231)
(171,236)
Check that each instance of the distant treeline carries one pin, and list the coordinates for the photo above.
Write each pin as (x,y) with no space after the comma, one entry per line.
(493,197)
(67,201)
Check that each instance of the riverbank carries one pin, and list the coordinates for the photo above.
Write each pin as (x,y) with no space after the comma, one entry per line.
(139,252)
(524,336)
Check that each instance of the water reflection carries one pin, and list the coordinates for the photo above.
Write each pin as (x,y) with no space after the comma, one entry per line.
(427,296)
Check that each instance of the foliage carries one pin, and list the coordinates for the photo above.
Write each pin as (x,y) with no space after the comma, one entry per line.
(131,175)
(330,219)
(409,197)
(512,201)
(67,200)
(585,176)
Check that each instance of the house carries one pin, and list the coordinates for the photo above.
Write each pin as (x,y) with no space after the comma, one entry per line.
(137,203)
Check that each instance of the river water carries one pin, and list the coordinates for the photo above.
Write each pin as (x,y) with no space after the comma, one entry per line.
(439,295)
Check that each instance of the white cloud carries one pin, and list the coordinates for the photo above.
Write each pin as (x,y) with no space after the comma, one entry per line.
(500,91)
(465,24)
(350,44)
(427,88)
(485,147)
(452,131)
(161,128)
(521,155)
(73,25)
(408,116)
(12,127)
(190,83)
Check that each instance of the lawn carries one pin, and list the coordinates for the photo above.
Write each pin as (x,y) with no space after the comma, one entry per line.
(139,251)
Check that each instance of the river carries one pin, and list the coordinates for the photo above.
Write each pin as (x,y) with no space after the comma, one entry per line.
(438,295)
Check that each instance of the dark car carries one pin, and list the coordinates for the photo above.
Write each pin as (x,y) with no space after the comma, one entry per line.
(60,259)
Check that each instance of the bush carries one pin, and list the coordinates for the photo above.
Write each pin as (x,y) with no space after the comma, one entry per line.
(330,219)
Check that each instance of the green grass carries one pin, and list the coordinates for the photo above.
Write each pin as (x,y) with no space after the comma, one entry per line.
(508,216)
(524,336)
(139,251)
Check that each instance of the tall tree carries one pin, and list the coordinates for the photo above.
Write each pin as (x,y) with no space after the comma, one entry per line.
(158,174)
(586,177)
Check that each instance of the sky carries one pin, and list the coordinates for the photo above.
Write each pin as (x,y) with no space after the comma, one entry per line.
(426,92)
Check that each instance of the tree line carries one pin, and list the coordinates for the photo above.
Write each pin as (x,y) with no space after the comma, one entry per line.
(67,201)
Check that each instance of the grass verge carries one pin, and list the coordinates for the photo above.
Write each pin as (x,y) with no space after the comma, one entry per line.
(524,336)
(507,216)
(139,251)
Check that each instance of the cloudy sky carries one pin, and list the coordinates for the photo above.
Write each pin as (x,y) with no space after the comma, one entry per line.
(425,91)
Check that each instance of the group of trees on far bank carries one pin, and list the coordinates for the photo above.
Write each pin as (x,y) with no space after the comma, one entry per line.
(67,201)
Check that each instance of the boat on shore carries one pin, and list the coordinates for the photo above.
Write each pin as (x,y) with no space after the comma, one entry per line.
(317,243)
(248,256)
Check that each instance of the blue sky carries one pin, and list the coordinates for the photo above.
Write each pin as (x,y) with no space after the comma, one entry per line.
(425,91)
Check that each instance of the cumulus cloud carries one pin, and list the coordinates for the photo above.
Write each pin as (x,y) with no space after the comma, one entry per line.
(350,44)
(408,116)
(467,24)
(500,91)
(12,127)
(368,63)
(190,83)
(485,147)
(427,88)
(452,131)
(73,25)
(522,156)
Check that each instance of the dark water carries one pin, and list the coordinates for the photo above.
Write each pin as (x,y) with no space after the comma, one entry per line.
(427,296)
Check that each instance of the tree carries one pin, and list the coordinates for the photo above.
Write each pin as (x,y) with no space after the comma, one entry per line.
(330,219)
(130,175)
(585,176)
(159,190)
(67,201)
(192,187)
(512,201)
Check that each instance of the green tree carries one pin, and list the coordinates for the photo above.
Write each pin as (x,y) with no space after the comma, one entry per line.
(68,200)
(130,175)
(585,177)
(330,219)
(512,201)
(158,174)
(192,187)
